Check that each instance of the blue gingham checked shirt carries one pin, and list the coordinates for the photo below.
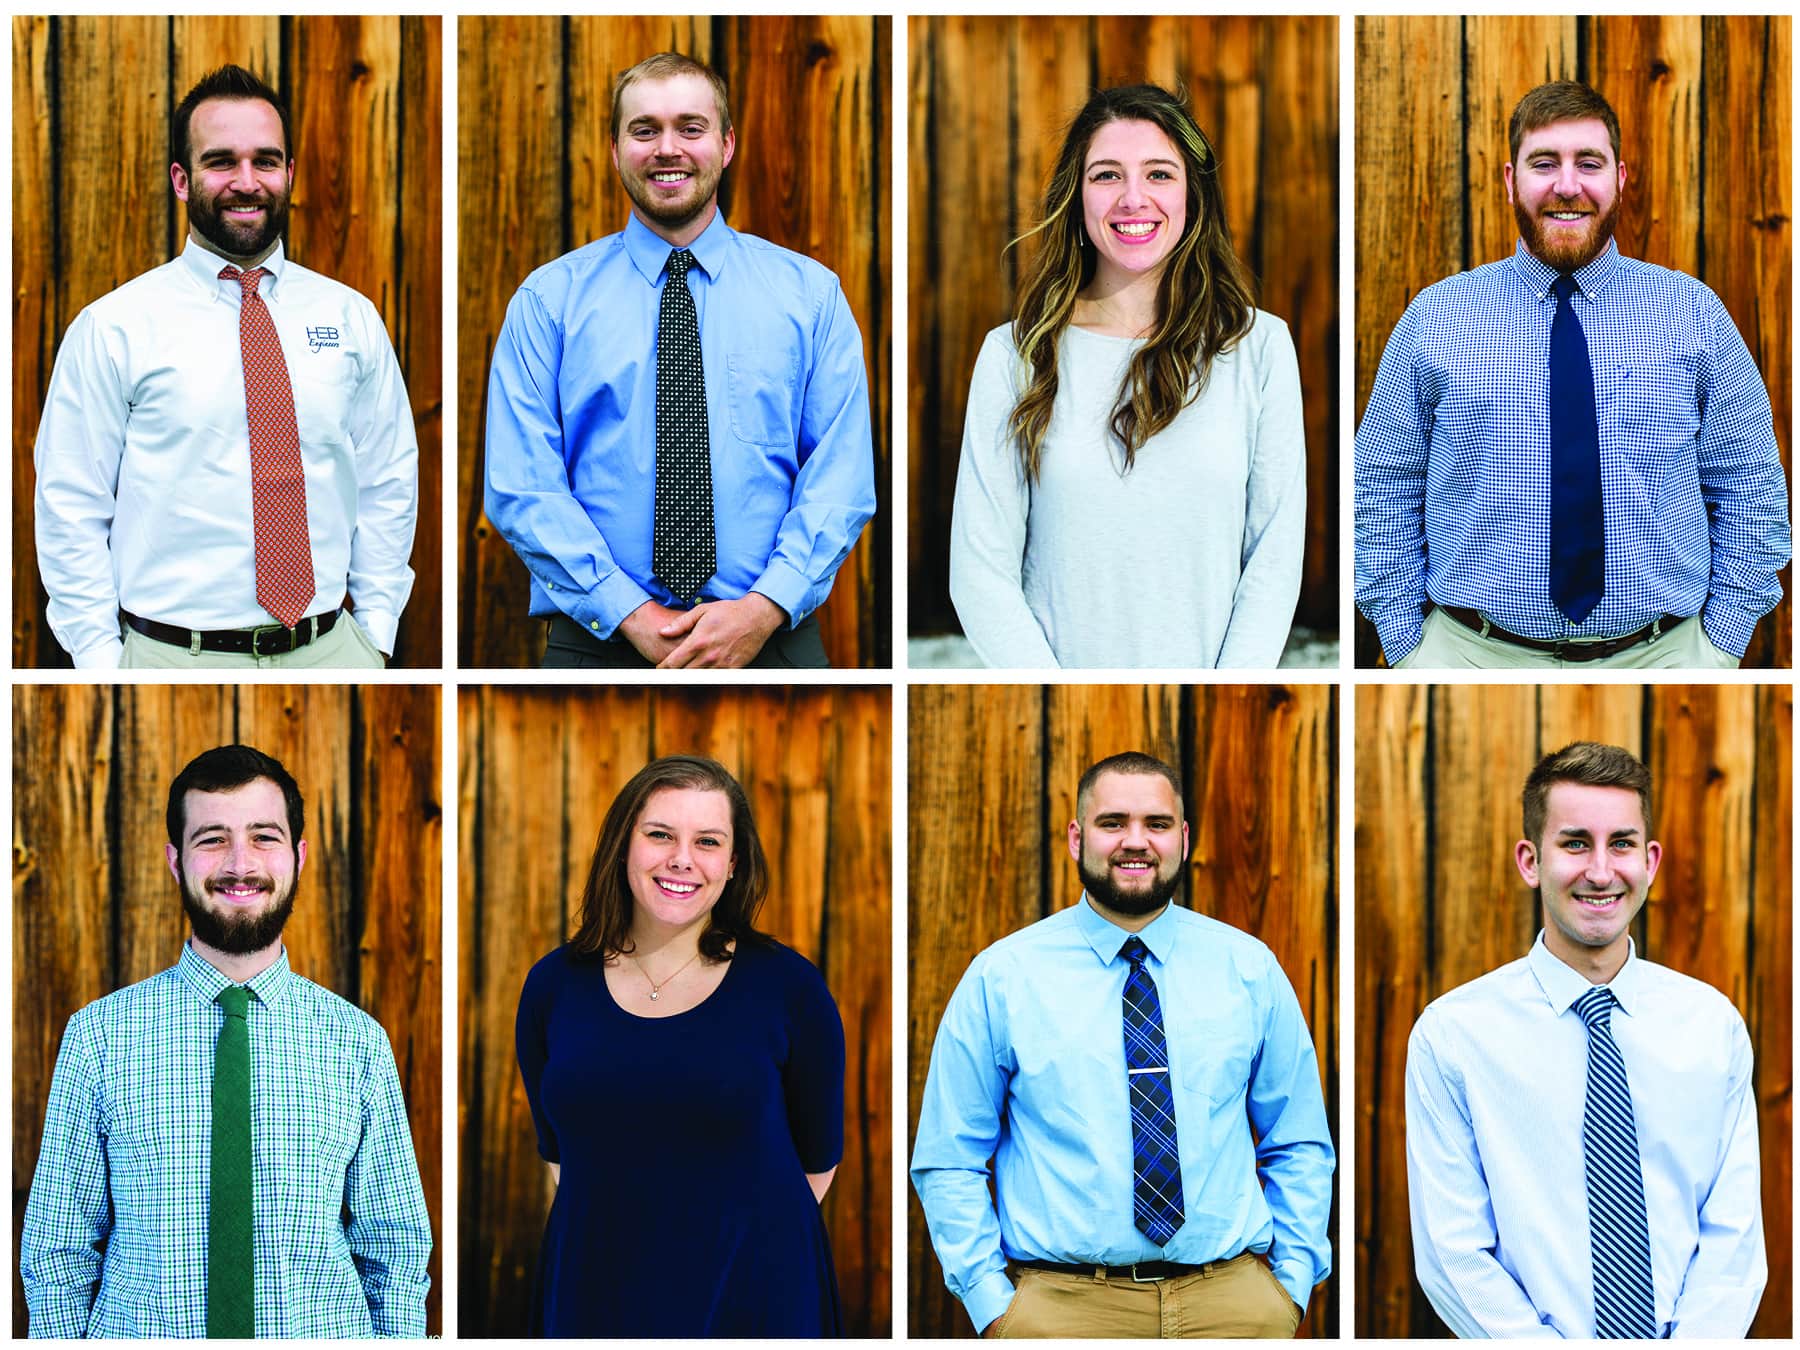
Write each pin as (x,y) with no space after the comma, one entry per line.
(342,1235)
(1453,457)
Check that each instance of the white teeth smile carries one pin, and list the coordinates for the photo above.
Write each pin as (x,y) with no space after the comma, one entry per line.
(1568,215)
(679,887)
(669,176)
(1136,229)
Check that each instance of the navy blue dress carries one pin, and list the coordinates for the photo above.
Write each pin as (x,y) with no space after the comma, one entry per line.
(685,1142)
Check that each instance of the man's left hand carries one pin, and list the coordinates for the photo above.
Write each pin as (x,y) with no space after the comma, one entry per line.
(723,633)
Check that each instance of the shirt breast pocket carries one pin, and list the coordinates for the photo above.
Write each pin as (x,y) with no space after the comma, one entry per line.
(323,382)
(762,386)
(1216,1059)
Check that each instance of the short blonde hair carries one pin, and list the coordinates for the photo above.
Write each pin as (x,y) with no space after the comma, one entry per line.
(665,66)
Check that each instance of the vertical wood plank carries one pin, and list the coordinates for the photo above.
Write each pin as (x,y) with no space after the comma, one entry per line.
(1504,57)
(35,329)
(1770,1008)
(1612,714)
(1747,230)
(509,111)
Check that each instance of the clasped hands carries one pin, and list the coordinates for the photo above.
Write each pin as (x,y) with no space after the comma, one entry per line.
(719,633)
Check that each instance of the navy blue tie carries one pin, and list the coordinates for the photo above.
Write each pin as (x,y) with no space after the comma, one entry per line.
(1618,1226)
(1156,1204)
(1577,520)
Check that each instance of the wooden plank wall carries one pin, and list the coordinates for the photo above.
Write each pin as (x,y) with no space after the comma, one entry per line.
(1439,770)
(1705,117)
(989,99)
(539,767)
(809,100)
(92,208)
(94,908)
(1260,766)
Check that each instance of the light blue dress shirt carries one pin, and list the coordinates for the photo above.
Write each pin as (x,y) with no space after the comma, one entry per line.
(1029,1071)
(1496,1089)
(115,1233)
(571,424)
(1453,457)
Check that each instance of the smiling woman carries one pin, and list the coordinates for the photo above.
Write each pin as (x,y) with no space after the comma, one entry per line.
(1136,394)
(727,1052)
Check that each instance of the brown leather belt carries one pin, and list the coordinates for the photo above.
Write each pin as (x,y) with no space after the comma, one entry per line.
(1144,1272)
(1565,649)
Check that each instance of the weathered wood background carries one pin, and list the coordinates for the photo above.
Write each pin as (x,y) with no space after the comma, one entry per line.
(989,101)
(539,766)
(1704,111)
(92,97)
(1439,770)
(1260,765)
(94,907)
(809,100)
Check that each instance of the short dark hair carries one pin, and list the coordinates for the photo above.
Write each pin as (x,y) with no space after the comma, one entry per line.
(605,929)
(224,768)
(1588,763)
(666,66)
(1561,101)
(232,82)
(1126,761)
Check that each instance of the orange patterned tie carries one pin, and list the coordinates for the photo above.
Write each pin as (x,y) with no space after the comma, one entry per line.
(284,572)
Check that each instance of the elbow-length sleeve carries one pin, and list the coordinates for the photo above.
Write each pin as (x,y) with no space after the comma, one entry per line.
(812,1080)
(532,1044)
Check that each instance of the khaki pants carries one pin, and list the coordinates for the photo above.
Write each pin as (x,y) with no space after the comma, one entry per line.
(1447,644)
(345,647)
(1233,1299)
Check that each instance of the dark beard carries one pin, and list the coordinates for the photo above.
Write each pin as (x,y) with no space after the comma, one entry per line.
(1099,886)
(237,934)
(1566,259)
(204,215)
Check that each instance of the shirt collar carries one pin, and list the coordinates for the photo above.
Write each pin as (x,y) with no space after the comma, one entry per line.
(1562,984)
(1106,937)
(1540,276)
(208,981)
(206,266)
(649,251)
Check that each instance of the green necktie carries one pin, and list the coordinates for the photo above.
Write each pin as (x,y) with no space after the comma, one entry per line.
(230,1231)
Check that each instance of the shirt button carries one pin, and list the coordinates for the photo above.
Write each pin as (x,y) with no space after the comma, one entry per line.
(594,624)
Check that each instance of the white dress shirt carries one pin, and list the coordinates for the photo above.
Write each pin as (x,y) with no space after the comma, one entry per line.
(1496,1088)
(143,456)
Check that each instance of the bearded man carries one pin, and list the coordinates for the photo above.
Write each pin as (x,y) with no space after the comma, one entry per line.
(1142,1079)
(226,1150)
(678,441)
(227,452)
(1567,457)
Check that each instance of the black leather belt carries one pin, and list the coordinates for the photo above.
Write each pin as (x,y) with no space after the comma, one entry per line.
(1565,649)
(1144,1272)
(269,639)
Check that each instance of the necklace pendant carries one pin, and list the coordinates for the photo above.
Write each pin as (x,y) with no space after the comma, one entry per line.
(653,995)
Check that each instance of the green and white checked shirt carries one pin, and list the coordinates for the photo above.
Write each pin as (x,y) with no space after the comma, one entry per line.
(114,1241)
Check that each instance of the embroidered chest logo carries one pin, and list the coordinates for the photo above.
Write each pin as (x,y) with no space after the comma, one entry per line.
(319,338)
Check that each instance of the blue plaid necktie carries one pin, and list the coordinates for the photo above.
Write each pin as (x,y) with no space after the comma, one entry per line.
(1619,1229)
(1155,1157)
(1577,520)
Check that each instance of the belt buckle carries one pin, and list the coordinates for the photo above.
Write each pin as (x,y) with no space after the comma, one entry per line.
(1145,1279)
(256,635)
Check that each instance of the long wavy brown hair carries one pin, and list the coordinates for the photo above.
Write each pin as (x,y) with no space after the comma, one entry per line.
(605,930)
(1204,299)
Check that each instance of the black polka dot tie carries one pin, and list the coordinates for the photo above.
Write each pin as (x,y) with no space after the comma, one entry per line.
(684,550)
(284,570)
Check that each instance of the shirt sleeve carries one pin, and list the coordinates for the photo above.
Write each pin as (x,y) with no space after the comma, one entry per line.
(531,1042)
(81,439)
(1728,1271)
(1744,490)
(1262,607)
(68,1217)
(528,496)
(1294,1156)
(389,1228)
(1453,1230)
(988,523)
(387,490)
(1393,446)
(812,1080)
(834,491)
(959,1129)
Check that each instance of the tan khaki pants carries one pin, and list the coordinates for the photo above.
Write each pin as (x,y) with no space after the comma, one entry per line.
(1447,645)
(1238,1298)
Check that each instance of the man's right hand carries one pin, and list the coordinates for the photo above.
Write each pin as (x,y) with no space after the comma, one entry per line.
(643,630)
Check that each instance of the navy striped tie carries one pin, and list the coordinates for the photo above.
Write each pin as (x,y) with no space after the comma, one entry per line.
(1155,1156)
(1618,1228)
